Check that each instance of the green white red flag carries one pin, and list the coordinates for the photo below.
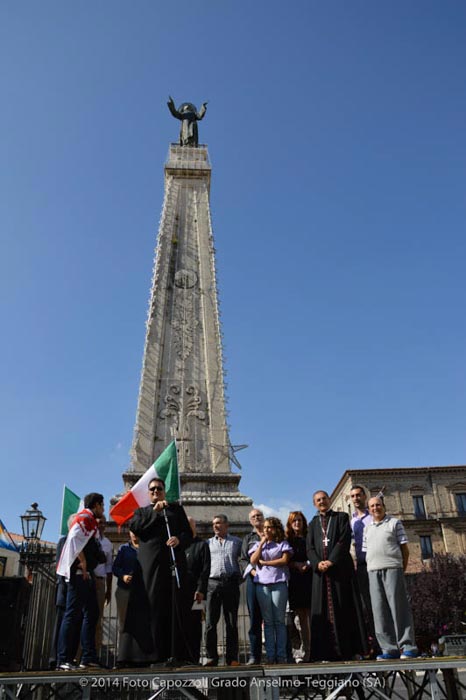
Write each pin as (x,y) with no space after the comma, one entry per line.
(71,504)
(83,527)
(165,467)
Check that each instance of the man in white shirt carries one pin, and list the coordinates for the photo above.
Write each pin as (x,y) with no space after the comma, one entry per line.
(386,546)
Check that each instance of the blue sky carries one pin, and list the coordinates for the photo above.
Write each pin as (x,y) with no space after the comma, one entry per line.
(336,135)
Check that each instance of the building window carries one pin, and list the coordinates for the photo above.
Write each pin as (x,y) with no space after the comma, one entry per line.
(426,546)
(461,503)
(419,509)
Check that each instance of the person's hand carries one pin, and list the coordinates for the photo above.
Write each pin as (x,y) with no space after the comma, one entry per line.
(173,541)
(86,575)
(253,572)
(198,597)
(127,578)
(324,565)
(160,505)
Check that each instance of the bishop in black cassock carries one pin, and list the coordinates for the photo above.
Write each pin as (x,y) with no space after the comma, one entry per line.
(337,625)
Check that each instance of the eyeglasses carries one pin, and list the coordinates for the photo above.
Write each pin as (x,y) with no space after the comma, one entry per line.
(156,488)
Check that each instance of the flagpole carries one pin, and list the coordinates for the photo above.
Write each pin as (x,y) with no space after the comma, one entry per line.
(175,578)
(178,470)
(174,564)
(62,508)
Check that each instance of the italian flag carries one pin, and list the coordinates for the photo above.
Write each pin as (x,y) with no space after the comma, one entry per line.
(83,527)
(71,504)
(165,467)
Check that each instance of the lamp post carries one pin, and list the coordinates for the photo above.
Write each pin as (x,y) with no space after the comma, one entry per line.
(33,553)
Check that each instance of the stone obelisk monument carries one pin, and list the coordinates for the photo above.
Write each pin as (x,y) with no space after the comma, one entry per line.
(181,393)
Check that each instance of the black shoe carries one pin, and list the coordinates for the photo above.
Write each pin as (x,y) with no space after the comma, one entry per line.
(91,664)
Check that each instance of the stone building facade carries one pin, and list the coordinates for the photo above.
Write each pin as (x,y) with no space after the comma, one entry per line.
(431,502)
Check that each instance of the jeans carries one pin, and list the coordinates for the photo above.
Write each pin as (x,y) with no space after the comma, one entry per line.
(272,600)
(255,618)
(80,599)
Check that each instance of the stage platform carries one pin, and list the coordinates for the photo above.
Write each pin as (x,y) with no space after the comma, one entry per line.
(417,679)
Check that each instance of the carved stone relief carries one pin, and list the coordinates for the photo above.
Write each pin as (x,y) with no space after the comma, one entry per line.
(183,406)
(180,405)
(184,321)
(185,279)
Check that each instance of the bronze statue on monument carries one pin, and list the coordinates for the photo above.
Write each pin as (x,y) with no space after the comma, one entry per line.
(189,116)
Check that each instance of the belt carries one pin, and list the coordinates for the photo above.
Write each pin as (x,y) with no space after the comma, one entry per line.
(225,577)
(101,577)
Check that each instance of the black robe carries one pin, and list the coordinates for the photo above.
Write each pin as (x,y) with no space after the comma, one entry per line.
(198,560)
(337,626)
(300,584)
(150,605)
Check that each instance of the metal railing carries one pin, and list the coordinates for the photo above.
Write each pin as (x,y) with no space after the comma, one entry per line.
(40,620)
(110,634)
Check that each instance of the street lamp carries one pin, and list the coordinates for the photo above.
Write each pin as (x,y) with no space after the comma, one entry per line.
(33,522)
(33,553)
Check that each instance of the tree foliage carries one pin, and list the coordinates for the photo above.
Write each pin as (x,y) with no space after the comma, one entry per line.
(438,596)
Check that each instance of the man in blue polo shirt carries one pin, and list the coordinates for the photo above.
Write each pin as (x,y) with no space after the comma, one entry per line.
(360,518)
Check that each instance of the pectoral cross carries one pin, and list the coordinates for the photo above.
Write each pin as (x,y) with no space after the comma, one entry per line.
(325,525)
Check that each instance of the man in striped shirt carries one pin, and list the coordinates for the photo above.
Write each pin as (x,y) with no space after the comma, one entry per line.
(223,591)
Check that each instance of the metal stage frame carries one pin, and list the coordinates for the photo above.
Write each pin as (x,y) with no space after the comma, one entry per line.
(417,679)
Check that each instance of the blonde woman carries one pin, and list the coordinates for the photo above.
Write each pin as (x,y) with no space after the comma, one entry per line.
(270,557)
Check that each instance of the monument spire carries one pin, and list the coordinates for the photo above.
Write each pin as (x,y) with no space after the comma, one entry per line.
(181,392)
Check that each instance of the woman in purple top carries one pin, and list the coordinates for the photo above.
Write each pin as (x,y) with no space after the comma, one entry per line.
(270,557)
